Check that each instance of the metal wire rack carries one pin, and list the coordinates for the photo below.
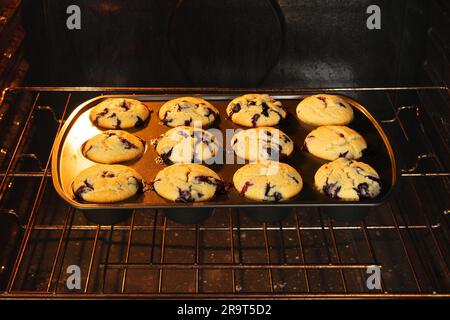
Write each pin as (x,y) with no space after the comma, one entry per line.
(309,255)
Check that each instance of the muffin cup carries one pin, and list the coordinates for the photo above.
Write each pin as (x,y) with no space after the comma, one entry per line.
(347,213)
(107,216)
(267,214)
(188,215)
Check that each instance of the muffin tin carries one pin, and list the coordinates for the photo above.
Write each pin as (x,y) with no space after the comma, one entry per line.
(68,161)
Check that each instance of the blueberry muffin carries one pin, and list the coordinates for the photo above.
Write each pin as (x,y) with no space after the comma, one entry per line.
(187,183)
(104,183)
(187,145)
(332,142)
(119,113)
(188,111)
(263,143)
(255,110)
(324,109)
(113,146)
(348,180)
(268,181)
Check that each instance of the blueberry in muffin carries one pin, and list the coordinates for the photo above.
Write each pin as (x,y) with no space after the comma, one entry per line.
(187,111)
(268,181)
(187,145)
(104,183)
(347,180)
(188,183)
(119,113)
(113,146)
(332,142)
(255,110)
(264,143)
(324,109)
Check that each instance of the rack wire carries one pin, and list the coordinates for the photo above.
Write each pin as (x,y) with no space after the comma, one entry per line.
(308,255)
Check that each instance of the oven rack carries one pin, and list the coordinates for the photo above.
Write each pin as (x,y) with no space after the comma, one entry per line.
(307,256)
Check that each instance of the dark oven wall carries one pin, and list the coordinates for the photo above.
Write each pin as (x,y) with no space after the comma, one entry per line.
(231,43)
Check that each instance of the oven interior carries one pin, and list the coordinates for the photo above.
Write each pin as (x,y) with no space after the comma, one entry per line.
(399,73)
